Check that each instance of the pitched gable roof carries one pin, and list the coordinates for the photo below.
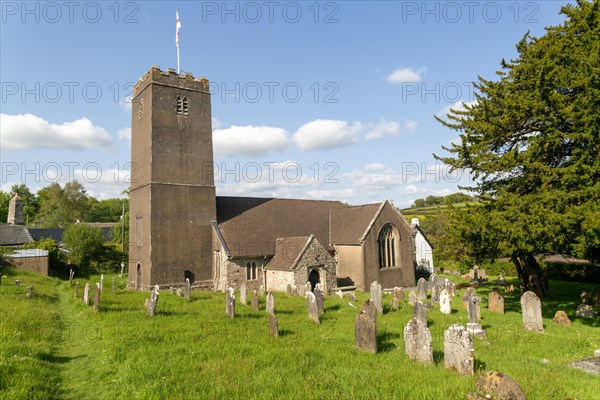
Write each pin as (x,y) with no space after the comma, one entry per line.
(288,251)
(418,229)
(12,235)
(349,225)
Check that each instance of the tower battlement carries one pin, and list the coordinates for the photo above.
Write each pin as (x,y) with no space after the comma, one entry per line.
(170,77)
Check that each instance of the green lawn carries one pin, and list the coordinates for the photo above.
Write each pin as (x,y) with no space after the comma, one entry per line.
(53,346)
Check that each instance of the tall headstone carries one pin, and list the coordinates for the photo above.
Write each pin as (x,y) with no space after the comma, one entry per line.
(230,303)
(243,294)
(365,330)
(101,282)
(467,297)
(399,294)
(270,308)
(412,298)
(421,289)
(435,294)
(76,291)
(319,298)
(445,302)
(418,342)
(459,350)
(376,296)
(273,326)
(71,275)
(307,288)
(369,308)
(311,305)
(153,301)
(394,304)
(531,308)
(495,302)
(86,294)
(97,298)
(254,301)
(420,312)
(187,289)
(432,281)
(474,327)
(114,286)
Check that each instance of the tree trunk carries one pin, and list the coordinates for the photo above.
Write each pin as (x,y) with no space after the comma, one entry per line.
(531,275)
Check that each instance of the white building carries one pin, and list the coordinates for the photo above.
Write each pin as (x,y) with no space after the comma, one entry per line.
(424,249)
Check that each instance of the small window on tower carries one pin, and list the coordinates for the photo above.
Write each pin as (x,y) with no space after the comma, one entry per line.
(179,106)
(186,106)
(141,109)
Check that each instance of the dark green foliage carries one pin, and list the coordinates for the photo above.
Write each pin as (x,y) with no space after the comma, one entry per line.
(60,207)
(85,244)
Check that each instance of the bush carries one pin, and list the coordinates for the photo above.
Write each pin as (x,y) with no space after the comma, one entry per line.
(580,272)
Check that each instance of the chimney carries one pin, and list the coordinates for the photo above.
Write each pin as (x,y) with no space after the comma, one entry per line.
(414,222)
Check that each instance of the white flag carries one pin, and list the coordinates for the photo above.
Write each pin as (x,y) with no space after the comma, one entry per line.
(177,27)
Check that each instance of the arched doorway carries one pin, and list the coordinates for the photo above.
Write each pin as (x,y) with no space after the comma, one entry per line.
(138,280)
(314,278)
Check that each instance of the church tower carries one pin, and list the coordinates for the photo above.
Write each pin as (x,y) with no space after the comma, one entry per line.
(172,198)
(15,211)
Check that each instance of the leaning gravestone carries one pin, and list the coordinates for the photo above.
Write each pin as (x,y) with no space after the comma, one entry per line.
(365,330)
(86,294)
(445,302)
(243,294)
(376,296)
(311,305)
(420,312)
(458,350)
(187,289)
(412,298)
(230,303)
(270,308)
(319,298)
(531,308)
(352,298)
(495,302)
(76,291)
(418,342)
(97,298)
(421,289)
(273,326)
(254,301)
(153,301)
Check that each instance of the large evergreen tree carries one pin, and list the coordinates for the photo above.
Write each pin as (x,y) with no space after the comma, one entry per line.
(532,142)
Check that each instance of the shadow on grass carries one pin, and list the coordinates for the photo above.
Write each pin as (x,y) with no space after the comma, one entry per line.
(384,342)
(54,359)
(286,332)
(335,307)
(480,366)
(438,357)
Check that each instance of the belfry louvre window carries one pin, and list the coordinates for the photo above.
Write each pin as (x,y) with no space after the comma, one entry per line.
(388,245)
(182,105)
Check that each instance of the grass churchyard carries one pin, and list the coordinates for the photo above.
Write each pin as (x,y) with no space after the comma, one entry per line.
(54,346)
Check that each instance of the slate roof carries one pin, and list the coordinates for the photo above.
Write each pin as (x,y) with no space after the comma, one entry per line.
(287,251)
(57,233)
(348,225)
(13,235)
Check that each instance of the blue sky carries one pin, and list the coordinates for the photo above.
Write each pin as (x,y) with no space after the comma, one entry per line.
(331,100)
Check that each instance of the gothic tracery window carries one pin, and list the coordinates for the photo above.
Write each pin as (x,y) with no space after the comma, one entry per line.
(388,242)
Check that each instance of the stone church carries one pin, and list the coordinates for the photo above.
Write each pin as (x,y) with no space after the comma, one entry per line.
(180,229)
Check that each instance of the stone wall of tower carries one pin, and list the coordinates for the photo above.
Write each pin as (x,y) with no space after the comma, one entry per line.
(172,188)
(15,211)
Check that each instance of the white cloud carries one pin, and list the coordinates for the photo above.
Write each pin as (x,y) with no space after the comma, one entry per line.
(124,134)
(249,140)
(406,75)
(216,123)
(27,131)
(410,126)
(125,103)
(458,106)
(326,134)
(374,167)
(382,128)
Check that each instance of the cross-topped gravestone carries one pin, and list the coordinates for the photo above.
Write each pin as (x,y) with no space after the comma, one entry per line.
(418,342)
(86,294)
(467,297)
(311,305)
(474,327)
(270,308)
(376,296)
(421,289)
(153,301)
(531,308)
(458,350)
(319,298)
(254,301)
(445,302)
(243,299)
(495,302)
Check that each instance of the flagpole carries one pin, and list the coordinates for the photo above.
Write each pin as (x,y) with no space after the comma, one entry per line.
(177,58)
(177,26)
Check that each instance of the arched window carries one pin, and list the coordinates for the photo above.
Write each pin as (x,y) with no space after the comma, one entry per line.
(179,105)
(186,106)
(389,244)
(182,105)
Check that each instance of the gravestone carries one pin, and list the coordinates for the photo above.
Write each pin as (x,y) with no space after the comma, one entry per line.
(71,275)
(307,287)
(153,301)
(86,294)
(496,385)
(365,330)
(261,290)
(319,298)
(467,297)
(17,283)
(273,326)
(294,290)
(230,303)
(482,275)
(29,292)
(394,304)
(352,298)
(561,318)
(474,327)
(311,305)
(270,303)
(431,283)
(76,291)
(187,289)
(501,280)
(412,298)
(421,289)
(450,288)
(420,312)
(243,299)
(340,294)
(171,290)
(114,286)
(289,289)
(495,302)
(418,342)
(435,294)
(254,301)
(97,298)
(531,309)
(301,290)
(459,350)
(376,296)
(510,289)
(585,311)
(369,308)
(445,302)
(179,292)
(399,294)
(101,282)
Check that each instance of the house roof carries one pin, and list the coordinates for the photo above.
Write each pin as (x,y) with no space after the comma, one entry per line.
(250,226)
(349,225)
(12,235)
(288,251)
(57,233)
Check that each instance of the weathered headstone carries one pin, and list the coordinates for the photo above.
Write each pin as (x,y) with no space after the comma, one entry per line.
(496,302)
(365,331)
(273,326)
(369,308)
(307,287)
(450,288)
(114,286)
(376,296)
(179,292)
(467,297)
(29,292)
(420,312)
(501,280)
(97,298)
(243,294)
(412,298)
(153,301)
(187,289)
(459,350)
(289,289)
(301,290)
(482,275)
(71,275)
(561,318)
(311,305)
(340,294)
(431,283)
(270,303)
(294,290)
(510,289)
(585,311)
(261,290)
(418,342)
(254,301)
(171,290)
(496,385)
(86,294)
(17,283)
(101,282)
(531,309)
(399,294)
(394,304)
(435,294)
(421,289)
(445,302)
(230,303)
(474,310)
(319,298)
(76,291)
